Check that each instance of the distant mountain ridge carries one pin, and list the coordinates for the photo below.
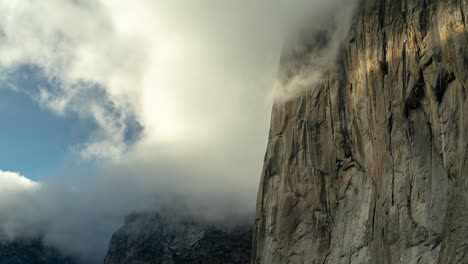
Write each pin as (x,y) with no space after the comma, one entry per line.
(149,238)
(31,252)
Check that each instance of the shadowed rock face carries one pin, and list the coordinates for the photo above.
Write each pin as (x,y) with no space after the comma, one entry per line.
(371,165)
(152,239)
(30,252)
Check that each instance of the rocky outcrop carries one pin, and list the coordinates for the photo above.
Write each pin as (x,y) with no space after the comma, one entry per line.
(148,238)
(371,164)
(31,252)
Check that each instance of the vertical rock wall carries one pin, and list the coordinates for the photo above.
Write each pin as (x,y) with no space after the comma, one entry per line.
(371,165)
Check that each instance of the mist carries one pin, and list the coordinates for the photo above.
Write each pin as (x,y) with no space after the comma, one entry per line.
(192,82)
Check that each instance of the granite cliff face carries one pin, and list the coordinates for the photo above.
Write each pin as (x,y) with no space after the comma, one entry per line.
(371,165)
(149,238)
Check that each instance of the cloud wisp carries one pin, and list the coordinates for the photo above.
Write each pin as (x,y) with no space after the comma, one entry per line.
(312,46)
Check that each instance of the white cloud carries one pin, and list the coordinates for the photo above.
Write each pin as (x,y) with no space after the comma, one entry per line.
(14,182)
(15,189)
(197,84)
(180,68)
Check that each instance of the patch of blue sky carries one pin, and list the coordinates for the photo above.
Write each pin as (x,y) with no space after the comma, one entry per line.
(34,140)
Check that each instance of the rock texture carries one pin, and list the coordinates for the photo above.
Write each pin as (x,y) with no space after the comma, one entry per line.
(30,252)
(371,165)
(152,239)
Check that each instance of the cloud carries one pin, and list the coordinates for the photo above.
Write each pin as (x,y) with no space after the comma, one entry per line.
(312,48)
(176,68)
(190,81)
(13,188)
(94,71)
(151,60)
(14,182)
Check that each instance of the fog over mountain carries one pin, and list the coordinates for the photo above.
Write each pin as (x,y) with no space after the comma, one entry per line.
(180,92)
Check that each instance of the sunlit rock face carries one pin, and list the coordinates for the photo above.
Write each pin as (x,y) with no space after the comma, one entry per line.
(370,165)
(149,238)
(31,252)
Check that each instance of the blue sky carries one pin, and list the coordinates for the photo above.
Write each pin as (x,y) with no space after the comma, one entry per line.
(34,140)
